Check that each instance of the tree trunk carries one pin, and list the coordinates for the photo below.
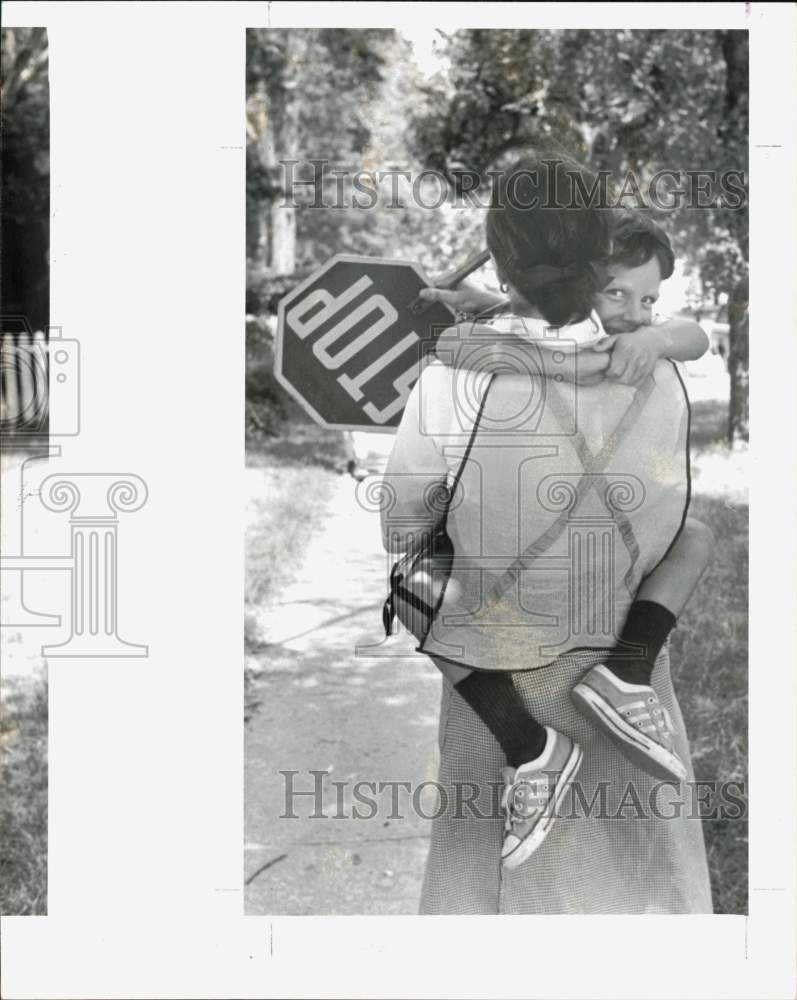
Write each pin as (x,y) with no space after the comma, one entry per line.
(273,126)
(733,135)
(258,237)
(282,142)
(738,365)
(257,228)
(283,239)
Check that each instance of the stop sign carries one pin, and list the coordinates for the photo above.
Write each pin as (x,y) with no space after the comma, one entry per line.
(351,341)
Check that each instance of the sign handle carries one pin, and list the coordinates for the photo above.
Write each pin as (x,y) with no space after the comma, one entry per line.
(451,280)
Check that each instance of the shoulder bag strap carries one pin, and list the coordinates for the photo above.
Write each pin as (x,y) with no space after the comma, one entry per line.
(455,483)
(397,589)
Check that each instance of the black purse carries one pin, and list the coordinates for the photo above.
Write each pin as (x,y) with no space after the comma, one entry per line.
(418,579)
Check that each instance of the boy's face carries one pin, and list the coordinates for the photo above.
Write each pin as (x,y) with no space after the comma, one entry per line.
(626,303)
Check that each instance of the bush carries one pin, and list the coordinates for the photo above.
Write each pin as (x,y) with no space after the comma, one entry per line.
(268,405)
(264,290)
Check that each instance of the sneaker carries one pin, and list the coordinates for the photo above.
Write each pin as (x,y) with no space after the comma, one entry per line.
(532,794)
(633,718)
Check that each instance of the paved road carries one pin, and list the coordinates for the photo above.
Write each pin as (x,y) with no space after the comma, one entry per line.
(357,717)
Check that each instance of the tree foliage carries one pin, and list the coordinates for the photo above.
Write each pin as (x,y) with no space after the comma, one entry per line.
(622,101)
(618,100)
(309,94)
(25,203)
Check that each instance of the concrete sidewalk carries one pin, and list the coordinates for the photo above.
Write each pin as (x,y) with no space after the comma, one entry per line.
(316,705)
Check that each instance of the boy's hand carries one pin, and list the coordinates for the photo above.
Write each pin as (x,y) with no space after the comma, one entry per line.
(633,355)
(468,297)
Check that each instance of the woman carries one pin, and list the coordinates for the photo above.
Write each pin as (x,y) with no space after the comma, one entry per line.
(560,517)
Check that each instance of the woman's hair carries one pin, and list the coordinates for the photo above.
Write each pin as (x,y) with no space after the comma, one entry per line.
(546,238)
(637,239)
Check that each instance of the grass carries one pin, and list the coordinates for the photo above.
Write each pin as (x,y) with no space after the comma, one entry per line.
(23,811)
(295,472)
(295,475)
(709,426)
(709,655)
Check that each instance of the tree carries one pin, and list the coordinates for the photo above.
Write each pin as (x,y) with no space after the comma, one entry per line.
(308,93)
(25,201)
(619,100)
(738,364)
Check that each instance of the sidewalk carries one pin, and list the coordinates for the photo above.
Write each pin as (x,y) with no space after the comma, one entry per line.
(317,706)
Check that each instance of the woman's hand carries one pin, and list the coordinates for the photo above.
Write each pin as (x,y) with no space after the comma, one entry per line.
(633,355)
(468,297)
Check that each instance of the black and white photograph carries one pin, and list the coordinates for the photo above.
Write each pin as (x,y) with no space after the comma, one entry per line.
(497,463)
(397,525)
(24,423)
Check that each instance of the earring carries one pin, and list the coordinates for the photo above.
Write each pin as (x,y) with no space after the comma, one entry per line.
(504,287)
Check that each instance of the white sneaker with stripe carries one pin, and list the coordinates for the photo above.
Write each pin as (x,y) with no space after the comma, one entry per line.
(633,718)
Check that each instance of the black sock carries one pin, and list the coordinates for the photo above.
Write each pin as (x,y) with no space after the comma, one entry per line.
(648,624)
(493,697)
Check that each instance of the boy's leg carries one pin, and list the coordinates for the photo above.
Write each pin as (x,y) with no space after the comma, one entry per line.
(616,694)
(542,762)
(661,598)
(494,698)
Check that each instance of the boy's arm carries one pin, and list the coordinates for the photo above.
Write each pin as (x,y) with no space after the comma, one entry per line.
(635,355)
(471,297)
(475,346)
(680,339)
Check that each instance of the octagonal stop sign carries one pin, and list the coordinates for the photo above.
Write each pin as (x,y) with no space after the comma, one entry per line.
(352,339)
